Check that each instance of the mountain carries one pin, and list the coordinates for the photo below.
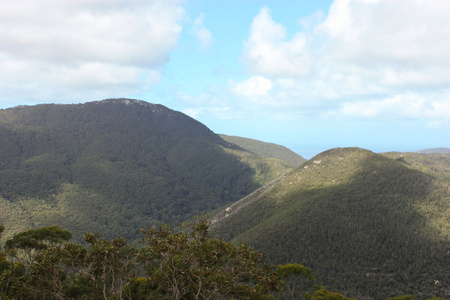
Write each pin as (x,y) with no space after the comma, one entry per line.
(441,150)
(116,166)
(370,226)
(264,149)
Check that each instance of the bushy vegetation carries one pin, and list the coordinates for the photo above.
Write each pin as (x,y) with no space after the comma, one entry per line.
(368,226)
(114,166)
(188,264)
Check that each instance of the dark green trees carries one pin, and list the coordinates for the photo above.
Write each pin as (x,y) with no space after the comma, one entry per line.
(187,264)
(194,266)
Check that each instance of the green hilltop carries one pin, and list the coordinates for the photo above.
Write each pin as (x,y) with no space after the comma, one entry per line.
(370,226)
(116,166)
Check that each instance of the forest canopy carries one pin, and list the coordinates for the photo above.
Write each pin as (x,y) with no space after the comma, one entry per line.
(185,264)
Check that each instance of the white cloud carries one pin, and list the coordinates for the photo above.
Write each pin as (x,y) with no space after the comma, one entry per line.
(401,44)
(203,35)
(434,108)
(255,86)
(403,33)
(220,112)
(268,52)
(396,52)
(85,44)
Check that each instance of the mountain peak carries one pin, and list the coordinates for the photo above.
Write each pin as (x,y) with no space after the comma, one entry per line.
(156,108)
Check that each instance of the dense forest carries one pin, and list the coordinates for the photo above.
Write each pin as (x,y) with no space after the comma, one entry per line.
(115,166)
(371,226)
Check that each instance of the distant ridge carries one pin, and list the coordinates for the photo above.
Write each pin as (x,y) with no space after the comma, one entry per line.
(264,149)
(440,150)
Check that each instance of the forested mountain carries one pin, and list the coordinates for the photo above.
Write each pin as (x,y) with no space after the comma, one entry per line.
(370,226)
(269,150)
(115,166)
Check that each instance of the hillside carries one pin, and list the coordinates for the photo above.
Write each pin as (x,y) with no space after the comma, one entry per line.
(264,149)
(434,164)
(116,166)
(368,225)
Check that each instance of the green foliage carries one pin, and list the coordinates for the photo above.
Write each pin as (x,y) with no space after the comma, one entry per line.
(186,264)
(322,294)
(142,288)
(297,279)
(39,238)
(369,226)
(403,297)
(191,265)
(3,261)
(284,271)
(25,246)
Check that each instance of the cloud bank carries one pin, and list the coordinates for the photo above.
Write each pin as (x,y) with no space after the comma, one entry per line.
(96,48)
(387,60)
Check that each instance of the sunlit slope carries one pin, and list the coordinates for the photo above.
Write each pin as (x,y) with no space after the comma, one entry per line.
(368,225)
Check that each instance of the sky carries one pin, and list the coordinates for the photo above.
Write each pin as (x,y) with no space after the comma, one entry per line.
(308,75)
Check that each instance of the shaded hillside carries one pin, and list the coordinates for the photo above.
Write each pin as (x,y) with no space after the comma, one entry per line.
(112,166)
(369,226)
(266,149)
(435,164)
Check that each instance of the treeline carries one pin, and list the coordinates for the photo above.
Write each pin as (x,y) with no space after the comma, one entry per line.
(188,264)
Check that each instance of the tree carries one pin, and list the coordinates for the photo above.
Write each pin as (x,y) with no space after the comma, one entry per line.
(321,293)
(102,270)
(23,250)
(4,264)
(109,264)
(294,275)
(403,297)
(26,244)
(195,266)
(42,258)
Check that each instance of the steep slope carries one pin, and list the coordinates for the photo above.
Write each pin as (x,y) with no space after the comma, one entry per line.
(113,166)
(264,149)
(369,226)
